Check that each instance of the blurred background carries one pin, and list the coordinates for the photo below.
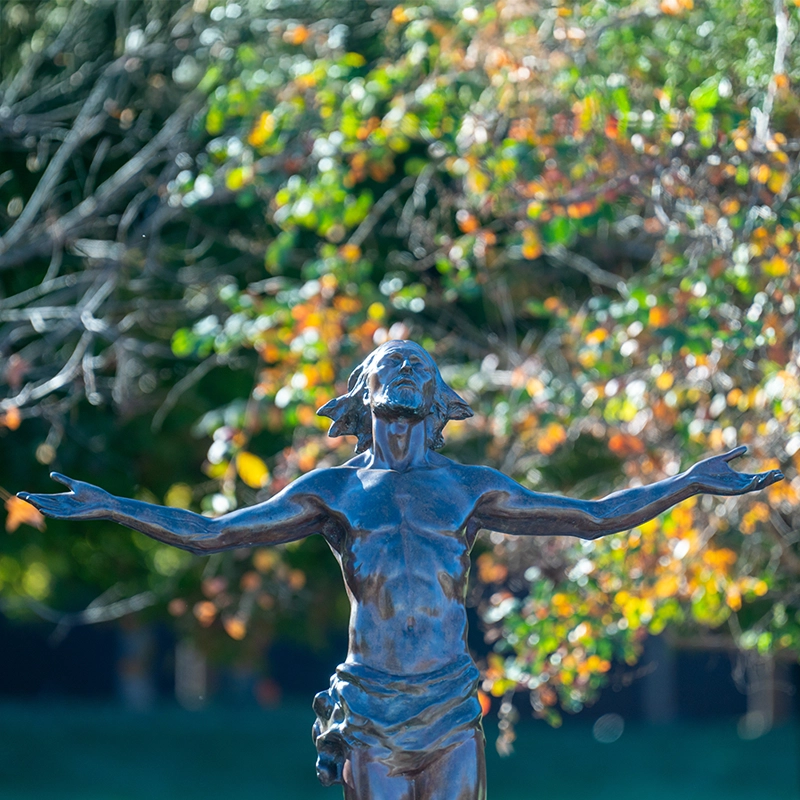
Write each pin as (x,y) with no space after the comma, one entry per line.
(211,211)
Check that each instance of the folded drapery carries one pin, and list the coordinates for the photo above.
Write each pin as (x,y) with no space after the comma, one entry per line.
(407,721)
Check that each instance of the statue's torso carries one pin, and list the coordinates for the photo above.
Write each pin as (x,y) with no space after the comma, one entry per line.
(403,541)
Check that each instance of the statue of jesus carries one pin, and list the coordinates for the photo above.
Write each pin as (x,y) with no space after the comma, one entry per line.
(401,719)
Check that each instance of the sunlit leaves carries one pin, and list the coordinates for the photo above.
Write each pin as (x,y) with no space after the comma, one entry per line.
(252,470)
(441,184)
(20,512)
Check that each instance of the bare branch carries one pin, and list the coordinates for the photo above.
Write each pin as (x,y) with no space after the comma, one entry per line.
(88,123)
(589,268)
(762,116)
(379,209)
(185,383)
(94,613)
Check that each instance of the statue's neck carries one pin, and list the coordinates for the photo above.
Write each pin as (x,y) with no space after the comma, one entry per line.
(398,444)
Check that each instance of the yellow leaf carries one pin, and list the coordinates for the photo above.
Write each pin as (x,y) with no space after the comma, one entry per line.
(477,181)
(597,336)
(665,380)
(215,121)
(777,181)
(262,130)
(666,586)
(179,495)
(376,311)
(238,177)
(776,267)
(252,470)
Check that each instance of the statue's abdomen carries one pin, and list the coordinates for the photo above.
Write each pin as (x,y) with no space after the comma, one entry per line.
(407,591)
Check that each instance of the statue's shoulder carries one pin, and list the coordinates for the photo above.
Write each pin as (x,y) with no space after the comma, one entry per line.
(324,482)
(470,475)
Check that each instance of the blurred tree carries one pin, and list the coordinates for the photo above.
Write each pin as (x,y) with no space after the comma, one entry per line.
(589,214)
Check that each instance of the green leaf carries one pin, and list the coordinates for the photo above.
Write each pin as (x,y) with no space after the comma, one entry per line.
(706,96)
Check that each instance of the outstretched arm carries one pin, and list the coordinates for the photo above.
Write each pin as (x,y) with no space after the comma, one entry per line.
(508,507)
(294,513)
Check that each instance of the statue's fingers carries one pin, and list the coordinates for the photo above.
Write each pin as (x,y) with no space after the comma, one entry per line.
(763,479)
(768,478)
(735,453)
(57,506)
(38,501)
(68,482)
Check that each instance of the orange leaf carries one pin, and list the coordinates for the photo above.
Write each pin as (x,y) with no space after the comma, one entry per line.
(580,210)
(21,512)
(296,35)
(531,245)
(624,444)
(11,419)
(235,628)
(730,206)
(658,317)
(466,221)
(205,611)
(553,436)
(350,253)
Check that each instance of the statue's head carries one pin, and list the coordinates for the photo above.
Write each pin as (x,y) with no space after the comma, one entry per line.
(397,380)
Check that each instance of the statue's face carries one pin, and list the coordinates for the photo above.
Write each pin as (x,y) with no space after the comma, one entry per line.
(402,382)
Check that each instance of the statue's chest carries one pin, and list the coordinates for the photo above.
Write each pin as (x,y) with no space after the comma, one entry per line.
(425,502)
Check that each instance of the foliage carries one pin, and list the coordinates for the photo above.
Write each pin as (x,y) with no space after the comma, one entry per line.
(589,214)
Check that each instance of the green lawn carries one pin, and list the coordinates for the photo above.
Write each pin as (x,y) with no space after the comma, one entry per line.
(83,753)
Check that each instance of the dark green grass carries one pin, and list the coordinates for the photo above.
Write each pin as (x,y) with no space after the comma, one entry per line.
(84,753)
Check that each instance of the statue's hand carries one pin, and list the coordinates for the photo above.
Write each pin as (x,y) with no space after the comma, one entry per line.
(714,475)
(84,501)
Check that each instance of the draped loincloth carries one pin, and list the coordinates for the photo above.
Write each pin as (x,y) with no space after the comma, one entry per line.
(405,720)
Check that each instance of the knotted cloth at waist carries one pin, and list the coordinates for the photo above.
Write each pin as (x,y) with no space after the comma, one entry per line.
(406,720)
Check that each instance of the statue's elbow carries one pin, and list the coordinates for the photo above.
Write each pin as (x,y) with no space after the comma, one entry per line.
(596,528)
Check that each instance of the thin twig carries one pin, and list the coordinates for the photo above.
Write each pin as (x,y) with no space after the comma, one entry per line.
(185,383)
(379,209)
(589,268)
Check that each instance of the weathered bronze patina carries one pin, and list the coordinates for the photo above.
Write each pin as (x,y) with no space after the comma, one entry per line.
(401,719)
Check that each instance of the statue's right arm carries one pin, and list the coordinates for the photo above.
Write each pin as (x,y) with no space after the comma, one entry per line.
(293,513)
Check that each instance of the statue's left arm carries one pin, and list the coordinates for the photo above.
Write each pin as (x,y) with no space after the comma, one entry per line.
(508,507)
(296,512)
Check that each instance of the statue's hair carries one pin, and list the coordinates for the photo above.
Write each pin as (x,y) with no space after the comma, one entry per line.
(351,412)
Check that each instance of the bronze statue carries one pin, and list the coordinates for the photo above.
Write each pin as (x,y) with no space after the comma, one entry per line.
(401,720)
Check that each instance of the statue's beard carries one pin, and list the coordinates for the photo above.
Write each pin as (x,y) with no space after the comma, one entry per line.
(403,402)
